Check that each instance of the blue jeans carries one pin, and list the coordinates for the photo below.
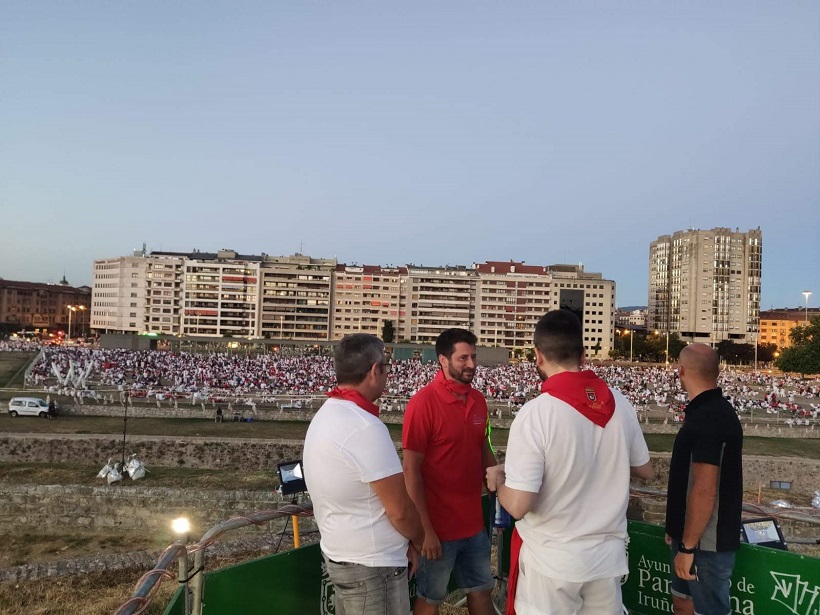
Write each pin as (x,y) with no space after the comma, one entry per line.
(468,559)
(710,592)
(366,590)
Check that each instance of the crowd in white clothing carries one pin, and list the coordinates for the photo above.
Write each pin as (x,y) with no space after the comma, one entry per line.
(167,376)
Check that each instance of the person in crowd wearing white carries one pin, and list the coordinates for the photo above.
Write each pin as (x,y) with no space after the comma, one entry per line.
(370,531)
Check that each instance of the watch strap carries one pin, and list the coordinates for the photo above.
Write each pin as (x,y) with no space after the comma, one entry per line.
(682,549)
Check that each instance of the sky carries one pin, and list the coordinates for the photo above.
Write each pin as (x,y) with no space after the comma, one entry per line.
(424,132)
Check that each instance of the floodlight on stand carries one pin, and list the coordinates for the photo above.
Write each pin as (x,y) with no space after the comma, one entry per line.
(763,532)
(291,482)
(291,477)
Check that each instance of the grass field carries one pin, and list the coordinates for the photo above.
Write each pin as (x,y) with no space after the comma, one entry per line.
(12,367)
(295,430)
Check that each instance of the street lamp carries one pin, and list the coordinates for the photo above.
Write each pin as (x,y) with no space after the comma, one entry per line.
(71,309)
(807,294)
(631,336)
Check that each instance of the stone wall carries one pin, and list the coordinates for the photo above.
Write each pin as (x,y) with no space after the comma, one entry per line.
(132,507)
(239,454)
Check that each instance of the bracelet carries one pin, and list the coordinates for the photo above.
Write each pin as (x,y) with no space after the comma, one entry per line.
(682,549)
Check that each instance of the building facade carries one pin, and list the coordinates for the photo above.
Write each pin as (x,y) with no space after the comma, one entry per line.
(705,285)
(45,308)
(776,325)
(366,297)
(302,298)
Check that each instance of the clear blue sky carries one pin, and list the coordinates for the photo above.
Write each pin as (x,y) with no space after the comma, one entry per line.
(395,132)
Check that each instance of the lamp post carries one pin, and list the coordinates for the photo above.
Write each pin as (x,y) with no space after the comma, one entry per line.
(807,294)
(71,309)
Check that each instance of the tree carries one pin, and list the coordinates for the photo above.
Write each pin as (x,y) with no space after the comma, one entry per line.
(765,352)
(803,356)
(388,331)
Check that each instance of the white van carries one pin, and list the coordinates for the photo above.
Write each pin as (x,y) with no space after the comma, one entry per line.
(31,406)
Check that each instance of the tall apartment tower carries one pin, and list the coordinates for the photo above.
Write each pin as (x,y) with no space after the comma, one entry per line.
(705,285)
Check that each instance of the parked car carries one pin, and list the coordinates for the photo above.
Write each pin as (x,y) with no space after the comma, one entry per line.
(28,406)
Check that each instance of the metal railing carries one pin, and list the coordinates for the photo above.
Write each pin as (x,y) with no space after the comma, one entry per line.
(779,513)
(191,578)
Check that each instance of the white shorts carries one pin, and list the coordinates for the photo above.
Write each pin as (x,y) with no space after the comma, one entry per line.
(537,594)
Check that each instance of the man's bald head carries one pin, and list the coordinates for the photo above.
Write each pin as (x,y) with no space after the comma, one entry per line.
(701,363)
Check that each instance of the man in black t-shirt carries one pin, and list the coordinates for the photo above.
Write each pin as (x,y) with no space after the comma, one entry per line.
(705,493)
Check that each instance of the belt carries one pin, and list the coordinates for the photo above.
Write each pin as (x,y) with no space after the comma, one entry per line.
(333,561)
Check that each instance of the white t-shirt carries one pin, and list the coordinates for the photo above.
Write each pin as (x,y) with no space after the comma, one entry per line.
(580,471)
(346,448)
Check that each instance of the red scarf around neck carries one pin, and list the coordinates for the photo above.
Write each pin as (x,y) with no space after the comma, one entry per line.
(585,392)
(356,397)
(458,389)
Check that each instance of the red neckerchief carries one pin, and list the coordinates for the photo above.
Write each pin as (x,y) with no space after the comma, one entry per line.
(585,392)
(458,389)
(356,397)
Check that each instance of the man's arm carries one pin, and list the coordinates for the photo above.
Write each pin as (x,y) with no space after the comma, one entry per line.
(431,546)
(645,471)
(700,504)
(399,507)
(516,502)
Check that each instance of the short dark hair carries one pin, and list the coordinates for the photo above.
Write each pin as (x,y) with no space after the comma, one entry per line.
(355,355)
(447,340)
(559,337)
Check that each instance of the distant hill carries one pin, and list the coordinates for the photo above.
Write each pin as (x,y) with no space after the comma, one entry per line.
(630,308)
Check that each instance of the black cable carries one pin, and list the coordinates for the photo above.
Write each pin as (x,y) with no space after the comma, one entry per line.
(191,575)
(282,535)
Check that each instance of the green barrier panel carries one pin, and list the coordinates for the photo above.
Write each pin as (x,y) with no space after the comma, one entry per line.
(177,604)
(765,581)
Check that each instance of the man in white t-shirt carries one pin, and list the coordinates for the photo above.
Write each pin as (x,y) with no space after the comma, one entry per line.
(370,529)
(570,455)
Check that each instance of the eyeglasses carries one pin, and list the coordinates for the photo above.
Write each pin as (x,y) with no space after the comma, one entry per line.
(386,366)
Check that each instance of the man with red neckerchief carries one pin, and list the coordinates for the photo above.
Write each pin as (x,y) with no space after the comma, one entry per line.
(446,454)
(367,522)
(570,455)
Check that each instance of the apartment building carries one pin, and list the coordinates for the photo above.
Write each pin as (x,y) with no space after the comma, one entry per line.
(776,325)
(296,297)
(118,296)
(34,305)
(438,298)
(302,298)
(705,284)
(367,296)
(635,319)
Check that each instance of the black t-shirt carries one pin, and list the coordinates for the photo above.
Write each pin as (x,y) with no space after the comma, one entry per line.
(710,434)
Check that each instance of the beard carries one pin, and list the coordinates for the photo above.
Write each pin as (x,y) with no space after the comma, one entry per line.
(465,376)
(541,374)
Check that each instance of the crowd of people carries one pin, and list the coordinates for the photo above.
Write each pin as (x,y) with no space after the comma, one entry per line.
(268,378)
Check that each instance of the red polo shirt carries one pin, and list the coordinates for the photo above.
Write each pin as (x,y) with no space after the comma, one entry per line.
(450,433)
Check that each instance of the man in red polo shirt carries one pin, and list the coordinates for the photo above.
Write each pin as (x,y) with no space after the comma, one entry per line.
(446,454)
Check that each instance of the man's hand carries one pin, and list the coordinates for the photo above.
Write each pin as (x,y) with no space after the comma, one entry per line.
(668,539)
(412,561)
(431,549)
(683,564)
(495,477)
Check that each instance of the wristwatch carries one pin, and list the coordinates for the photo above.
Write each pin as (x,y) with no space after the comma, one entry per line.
(683,549)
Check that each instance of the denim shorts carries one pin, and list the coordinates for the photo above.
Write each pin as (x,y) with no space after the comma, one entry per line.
(710,592)
(366,590)
(467,559)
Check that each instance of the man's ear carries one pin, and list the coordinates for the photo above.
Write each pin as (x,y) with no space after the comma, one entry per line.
(583,358)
